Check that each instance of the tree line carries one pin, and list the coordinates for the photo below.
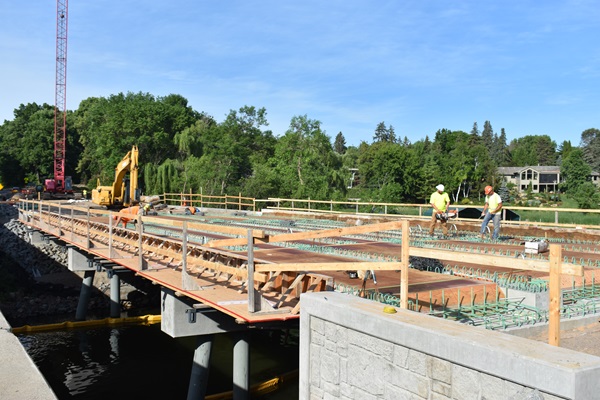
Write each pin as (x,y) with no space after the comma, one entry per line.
(181,149)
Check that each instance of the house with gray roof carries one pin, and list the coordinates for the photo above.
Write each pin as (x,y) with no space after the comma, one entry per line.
(543,178)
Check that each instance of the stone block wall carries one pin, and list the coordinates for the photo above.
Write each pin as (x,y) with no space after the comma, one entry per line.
(350,349)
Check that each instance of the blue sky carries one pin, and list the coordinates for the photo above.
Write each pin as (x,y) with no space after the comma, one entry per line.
(530,67)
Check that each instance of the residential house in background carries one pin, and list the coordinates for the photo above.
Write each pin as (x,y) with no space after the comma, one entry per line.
(542,178)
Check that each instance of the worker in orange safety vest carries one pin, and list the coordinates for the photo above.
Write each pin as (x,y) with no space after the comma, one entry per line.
(134,210)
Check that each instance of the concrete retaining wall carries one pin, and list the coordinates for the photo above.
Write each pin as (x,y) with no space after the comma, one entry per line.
(19,377)
(350,349)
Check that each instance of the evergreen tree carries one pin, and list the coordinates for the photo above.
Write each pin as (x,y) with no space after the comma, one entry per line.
(340,144)
(563,150)
(504,194)
(392,135)
(474,135)
(487,135)
(384,134)
(500,154)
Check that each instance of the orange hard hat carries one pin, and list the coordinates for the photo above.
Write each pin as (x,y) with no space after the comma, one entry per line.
(488,189)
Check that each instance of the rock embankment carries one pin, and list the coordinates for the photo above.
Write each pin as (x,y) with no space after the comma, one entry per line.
(35,279)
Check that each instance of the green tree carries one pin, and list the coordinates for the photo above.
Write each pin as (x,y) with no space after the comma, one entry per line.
(108,128)
(487,135)
(586,195)
(28,143)
(574,171)
(392,168)
(384,134)
(500,153)
(306,164)
(533,150)
(563,151)
(590,144)
(340,143)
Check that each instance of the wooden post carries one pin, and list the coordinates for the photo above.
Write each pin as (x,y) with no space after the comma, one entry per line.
(140,226)
(58,223)
(72,224)
(555,295)
(250,281)
(404,266)
(184,250)
(87,229)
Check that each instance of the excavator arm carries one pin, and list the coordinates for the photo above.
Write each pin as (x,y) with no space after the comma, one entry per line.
(123,192)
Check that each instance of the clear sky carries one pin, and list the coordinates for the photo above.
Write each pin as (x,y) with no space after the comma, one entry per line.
(531,67)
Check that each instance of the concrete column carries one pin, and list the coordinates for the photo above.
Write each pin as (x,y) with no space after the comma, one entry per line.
(241,367)
(115,295)
(84,295)
(200,368)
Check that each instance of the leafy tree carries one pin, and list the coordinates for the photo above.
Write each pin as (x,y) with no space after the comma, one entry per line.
(586,195)
(306,164)
(391,168)
(533,150)
(590,144)
(110,126)
(28,141)
(574,171)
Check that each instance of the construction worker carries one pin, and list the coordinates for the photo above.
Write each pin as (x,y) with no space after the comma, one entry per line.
(491,210)
(440,201)
(134,210)
(147,208)
(190,210)
(85,194)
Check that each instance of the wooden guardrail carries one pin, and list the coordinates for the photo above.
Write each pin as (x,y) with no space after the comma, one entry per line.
(68,222)
(357,207)
(203,200)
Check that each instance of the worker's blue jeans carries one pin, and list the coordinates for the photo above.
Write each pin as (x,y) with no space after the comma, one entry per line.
(496,217)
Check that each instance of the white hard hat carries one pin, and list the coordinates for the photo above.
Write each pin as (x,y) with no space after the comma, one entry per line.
(440,187)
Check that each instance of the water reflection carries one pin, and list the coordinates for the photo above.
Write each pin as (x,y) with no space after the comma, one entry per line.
(135,361)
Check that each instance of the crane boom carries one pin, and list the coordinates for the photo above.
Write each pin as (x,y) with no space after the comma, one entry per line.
(60,97)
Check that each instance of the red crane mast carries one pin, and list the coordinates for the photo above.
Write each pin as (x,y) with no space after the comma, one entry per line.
(58,185)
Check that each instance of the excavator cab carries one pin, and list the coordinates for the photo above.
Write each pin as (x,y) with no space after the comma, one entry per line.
(124,191)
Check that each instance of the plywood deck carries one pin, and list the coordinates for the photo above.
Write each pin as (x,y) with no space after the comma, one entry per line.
(210,281)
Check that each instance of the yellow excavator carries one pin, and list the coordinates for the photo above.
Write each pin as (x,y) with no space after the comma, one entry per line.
(124,191)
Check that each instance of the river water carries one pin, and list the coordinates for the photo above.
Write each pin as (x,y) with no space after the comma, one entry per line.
(142,362)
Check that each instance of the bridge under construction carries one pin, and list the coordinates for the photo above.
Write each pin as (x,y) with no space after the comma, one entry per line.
(222,271)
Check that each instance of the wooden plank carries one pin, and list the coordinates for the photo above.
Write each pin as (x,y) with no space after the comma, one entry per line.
(338,266)
(493,261)
(230,230)
(555,294)
(287,237)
